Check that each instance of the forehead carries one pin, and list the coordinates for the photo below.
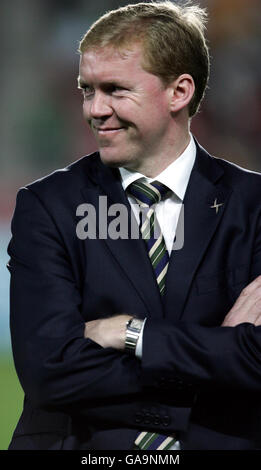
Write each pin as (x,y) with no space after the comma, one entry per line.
(108,63)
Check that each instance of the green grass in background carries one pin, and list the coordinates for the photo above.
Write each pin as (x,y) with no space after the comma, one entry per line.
(11,400)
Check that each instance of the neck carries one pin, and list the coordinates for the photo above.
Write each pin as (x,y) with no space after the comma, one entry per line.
(177,144)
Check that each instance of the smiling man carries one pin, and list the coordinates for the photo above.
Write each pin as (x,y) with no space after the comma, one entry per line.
(129,343)
(131,111)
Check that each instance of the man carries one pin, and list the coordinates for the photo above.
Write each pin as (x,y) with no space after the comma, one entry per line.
(129,342)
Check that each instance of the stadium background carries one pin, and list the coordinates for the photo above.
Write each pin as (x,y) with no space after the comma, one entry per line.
(41,123)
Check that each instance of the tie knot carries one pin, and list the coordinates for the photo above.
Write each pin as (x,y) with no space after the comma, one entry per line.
(148,193)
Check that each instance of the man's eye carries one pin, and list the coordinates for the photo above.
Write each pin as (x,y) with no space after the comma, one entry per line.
(119,89)
(112,89)
(87,91)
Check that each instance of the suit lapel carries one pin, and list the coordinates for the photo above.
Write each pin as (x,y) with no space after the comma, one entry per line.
(200,223)
(130,254)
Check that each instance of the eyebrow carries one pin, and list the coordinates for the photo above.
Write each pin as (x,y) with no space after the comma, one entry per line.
(82,83)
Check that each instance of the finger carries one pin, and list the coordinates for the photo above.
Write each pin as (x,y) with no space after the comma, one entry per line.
(258,320)
(252,285)
(250,312)
(247,307)
(257,313)
(248,291)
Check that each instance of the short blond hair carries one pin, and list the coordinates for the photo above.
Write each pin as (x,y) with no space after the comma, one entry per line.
(172,37)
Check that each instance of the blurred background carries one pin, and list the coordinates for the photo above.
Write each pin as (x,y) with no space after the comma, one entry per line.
(42,128)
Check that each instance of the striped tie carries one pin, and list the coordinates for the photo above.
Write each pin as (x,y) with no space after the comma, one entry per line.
(146,195)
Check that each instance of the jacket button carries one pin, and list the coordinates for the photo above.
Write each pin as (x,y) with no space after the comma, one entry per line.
(147,419)
(180,385)
(166,420)
(138,418)
(156,420)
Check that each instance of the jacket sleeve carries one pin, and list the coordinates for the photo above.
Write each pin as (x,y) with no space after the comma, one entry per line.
(57,367)
(192,355)
(189,354)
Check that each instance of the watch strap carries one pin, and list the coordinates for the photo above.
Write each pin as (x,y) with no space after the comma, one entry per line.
(133,329)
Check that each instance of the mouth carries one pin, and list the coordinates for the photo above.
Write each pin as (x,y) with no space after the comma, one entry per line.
(108,130)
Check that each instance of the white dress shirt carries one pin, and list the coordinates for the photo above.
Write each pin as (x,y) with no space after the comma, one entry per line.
(176,178)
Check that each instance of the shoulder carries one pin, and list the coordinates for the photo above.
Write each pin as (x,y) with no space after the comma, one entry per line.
(65,182)
(79,171)
(59,191)
(245,183)
(240,180)
(238,172)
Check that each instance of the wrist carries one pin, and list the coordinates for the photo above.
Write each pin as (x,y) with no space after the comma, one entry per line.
(133,331)
(122,337)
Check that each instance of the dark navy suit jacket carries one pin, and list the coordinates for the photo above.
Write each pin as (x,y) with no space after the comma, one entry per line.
(195,377)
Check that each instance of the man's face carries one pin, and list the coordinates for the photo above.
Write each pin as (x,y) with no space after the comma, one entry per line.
(126,107)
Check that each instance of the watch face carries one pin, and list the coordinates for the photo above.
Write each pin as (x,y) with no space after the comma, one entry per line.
(136,323)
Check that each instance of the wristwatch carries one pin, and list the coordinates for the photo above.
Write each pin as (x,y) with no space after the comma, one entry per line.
(133,329)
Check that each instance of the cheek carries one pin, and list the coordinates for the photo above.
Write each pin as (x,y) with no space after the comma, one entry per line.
(86,110)
(125,110)
(155,114)
(160,104)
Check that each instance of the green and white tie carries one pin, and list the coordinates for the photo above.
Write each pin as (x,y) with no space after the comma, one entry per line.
(147,195)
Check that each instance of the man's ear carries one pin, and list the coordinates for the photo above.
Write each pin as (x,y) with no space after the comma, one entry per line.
(181,92)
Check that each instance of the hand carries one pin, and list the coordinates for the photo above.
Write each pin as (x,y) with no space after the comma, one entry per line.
(247,308)
(108,332)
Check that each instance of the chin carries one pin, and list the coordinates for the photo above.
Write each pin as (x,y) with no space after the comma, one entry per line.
(111,160)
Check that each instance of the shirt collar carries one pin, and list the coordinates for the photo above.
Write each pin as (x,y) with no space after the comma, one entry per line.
(175,176)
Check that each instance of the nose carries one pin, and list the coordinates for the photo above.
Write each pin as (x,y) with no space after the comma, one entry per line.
(99,106)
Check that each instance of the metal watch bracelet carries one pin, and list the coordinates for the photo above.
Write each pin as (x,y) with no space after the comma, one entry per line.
(133,329)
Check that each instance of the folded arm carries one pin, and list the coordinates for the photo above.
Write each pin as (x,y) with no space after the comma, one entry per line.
(221,356)
(57,366)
